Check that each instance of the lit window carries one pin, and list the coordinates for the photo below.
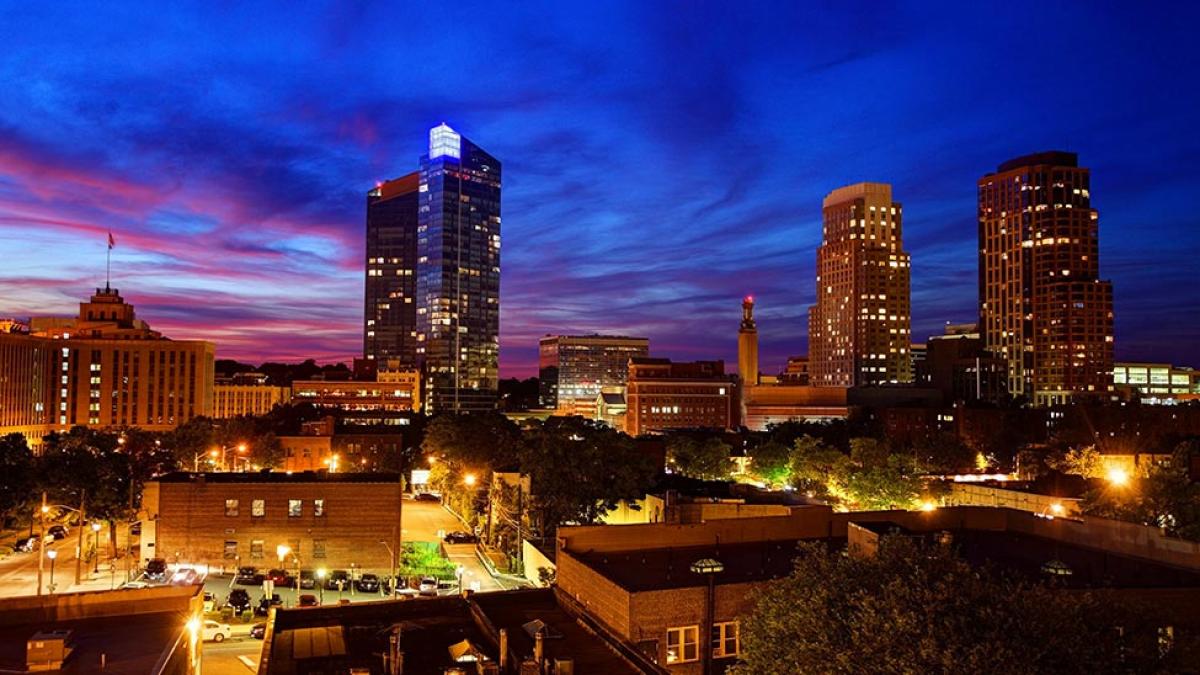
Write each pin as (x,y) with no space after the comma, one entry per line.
(294,508)
(231,550)
(683,644)
(258,508)
(318,548)
(725,639)
(318,507)
(231,507)
(256,548)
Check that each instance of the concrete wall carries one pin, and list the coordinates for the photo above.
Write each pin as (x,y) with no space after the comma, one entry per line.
(649,509)
(69,606)
(533,559)
(971,494)
(804,522)
(1111,535)
(698,513)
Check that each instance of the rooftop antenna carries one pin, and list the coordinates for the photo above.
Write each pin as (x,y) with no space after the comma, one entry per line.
(108,260)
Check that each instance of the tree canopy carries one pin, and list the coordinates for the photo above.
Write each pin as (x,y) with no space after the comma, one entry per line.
(921,609)
(706,458)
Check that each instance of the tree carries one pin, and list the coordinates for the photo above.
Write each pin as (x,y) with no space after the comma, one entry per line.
(943,452)
(1166,497)
(892,484)
(706,459)
(580,470)
(478,441)
(770,463)
(921,609)
(1083,461)
(17,475)
(818,469)
(189,440)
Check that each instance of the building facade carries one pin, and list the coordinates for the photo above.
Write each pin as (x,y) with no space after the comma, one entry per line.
(1043,308)
(1156,382)
(748,344)
(390,305)
(103,368)
(956,364)
(398,391)
(226,520)
(574,367)
(859,328)
(661,395)
(247,394)
(458,273)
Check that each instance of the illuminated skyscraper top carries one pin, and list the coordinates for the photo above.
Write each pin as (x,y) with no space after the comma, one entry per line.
(458,273)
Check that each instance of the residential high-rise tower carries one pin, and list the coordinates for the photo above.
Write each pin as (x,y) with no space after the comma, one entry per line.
(458,273)
(390,307)
(1042,306)
(859,328)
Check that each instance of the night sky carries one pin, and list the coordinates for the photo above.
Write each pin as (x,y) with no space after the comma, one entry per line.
(661,160)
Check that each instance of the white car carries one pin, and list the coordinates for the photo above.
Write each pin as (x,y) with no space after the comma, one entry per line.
(428,586)
(215,632)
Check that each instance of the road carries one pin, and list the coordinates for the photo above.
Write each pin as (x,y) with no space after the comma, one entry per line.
(238,655)
(19,571)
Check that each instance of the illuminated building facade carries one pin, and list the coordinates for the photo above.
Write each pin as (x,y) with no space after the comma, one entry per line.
(859,328)
(458,273)
(247,394)
(662,395)
(396,391)
(390,306)
(574,367)
(1156,382)
(103,368)
(1042,306)
(748,345)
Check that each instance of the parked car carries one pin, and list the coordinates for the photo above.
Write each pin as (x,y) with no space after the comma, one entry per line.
(460,537)
(210,601)
(427,497)
(258,631)
(337,578)
(156,569)
(307,579)
(186,576)
(265,604)
(428,586)
(247,576)
(308,600)
(280,578)
(58,531)
(239,600)
(215,631)
(25,545)
(367,583)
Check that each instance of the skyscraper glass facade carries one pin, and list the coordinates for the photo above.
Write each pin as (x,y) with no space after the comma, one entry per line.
(390,307)
(580,366)
(458,273)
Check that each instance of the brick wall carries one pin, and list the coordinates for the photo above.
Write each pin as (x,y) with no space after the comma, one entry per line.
(604,600)
(192,525)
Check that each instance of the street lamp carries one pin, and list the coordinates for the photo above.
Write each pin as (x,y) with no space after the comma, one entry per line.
(392,555)
(1118,476)
(321,582)
(710,568)
(52,554)
(96,547)
(469,480)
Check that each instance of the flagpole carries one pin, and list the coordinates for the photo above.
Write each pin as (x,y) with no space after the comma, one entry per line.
(108,267)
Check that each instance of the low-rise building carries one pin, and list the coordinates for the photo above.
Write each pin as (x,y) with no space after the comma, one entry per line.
(1156,382)
(662,395)
(247,394)
(391,391)
(225,520)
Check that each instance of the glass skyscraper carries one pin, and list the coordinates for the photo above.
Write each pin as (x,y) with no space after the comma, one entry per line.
(390,306)
(458,273)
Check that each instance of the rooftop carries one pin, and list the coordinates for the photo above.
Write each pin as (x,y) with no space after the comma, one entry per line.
(278,477)
(667,568)
(131,644)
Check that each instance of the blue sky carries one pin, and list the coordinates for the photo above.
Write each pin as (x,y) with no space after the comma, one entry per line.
(661,160)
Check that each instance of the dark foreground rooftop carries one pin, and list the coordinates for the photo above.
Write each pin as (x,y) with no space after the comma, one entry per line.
(131,644)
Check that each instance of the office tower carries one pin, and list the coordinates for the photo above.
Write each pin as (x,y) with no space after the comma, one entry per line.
(1042,306)
(103,368)
(574,367)
(390,307)
(662,395)
(858,330)
(458,273)
(748,345)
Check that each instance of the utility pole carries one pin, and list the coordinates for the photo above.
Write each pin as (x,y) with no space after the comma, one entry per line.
(41,542)
(398,534)
(79,546)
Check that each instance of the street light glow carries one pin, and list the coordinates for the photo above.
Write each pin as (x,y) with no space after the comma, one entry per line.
(928,506)
(282,551)
(95,527)
(1118,476)
(52,554)
(1056,508)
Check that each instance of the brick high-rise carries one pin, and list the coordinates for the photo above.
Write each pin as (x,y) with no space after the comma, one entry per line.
(1042,306)
(859,328)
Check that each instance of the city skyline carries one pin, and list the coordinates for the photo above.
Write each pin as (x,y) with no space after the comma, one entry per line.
(647,203)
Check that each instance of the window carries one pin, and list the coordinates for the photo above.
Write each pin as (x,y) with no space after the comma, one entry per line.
(231,550)
(258,508)
(294,508)
(725,639)
(256,548)
(318,507)
(231,507)
(683,644)
(318,548)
